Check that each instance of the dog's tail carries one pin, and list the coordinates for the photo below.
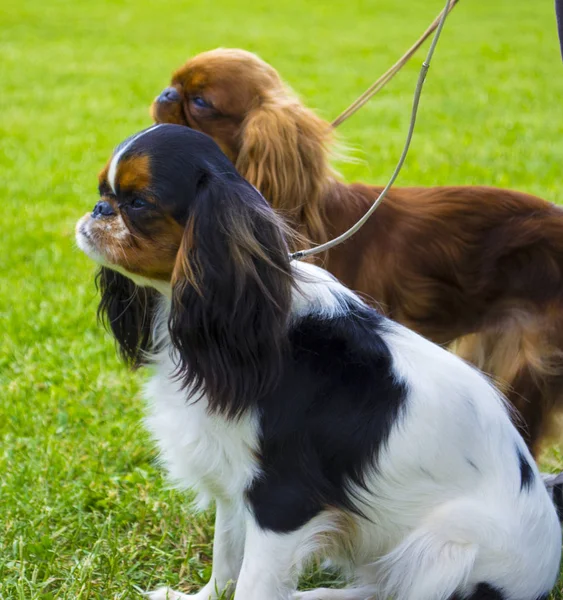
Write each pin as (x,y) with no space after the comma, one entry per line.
(429,565)
(437,560)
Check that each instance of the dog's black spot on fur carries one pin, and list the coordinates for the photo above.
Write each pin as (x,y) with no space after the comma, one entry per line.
(327,420)
(483,591)
(558,500)
(526,473)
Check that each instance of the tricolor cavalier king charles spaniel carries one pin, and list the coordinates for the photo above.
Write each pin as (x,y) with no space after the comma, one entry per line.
(316,425)
(478,267)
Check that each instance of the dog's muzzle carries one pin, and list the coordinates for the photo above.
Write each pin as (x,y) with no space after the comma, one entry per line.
(169,94)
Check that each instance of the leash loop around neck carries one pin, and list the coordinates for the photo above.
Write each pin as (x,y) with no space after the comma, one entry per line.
(300,254)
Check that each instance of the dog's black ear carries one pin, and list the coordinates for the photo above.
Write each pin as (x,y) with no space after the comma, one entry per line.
(231,295)
(126,310)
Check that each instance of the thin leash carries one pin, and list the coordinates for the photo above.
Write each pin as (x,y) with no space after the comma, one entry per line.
(300,254)
(380,83)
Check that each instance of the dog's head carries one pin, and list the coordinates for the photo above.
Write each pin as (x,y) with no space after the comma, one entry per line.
(174,215)
(275,142)
(215,92)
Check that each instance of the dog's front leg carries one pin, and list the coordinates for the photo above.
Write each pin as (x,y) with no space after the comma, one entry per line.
(269,568)
(228,546)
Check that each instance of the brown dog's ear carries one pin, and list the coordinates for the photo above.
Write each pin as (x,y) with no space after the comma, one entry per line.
(284,153)
(231,296)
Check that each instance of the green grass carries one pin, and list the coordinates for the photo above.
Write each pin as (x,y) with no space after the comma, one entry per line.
(84,510)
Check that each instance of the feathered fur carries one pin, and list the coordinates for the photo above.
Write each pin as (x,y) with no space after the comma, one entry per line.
(230,296)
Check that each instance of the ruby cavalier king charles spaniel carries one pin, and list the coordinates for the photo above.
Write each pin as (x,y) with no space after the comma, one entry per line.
(476,268)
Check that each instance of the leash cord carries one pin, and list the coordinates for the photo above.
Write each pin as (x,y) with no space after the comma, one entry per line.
(300,254)
(382,81)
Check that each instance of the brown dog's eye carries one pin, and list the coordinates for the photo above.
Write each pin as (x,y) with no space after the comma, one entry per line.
(200,102)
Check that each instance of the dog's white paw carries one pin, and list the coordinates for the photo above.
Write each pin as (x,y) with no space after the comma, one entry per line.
(318,594)
(166,593)
(336,594)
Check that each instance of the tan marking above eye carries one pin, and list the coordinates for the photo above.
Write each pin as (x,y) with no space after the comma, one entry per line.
(133,173)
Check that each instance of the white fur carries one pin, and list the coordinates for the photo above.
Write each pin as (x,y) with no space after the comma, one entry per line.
(444,510)
(272,562)
(206,453)
(318,292)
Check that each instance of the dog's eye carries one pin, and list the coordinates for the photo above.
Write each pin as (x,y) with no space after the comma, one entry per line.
(139,203)
(200,102)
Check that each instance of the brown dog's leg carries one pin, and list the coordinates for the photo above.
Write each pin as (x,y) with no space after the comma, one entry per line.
(528,395)
(523,357)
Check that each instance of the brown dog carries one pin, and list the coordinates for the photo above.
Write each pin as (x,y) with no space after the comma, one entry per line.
(478,267)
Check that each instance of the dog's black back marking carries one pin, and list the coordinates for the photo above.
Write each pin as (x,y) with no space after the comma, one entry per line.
(327,420)
(526,473)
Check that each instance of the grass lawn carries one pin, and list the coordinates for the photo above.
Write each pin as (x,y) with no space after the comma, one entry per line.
(84,510)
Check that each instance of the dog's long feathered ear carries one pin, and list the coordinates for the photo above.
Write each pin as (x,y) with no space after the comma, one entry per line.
(231,296)
(284,153)
(126,310)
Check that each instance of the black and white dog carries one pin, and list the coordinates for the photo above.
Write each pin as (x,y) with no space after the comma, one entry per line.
(315,424)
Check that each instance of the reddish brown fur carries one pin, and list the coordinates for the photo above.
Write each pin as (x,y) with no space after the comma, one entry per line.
(480,267)
(249,97)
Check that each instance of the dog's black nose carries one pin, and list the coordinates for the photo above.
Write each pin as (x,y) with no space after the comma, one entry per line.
(170,94)
(102,209)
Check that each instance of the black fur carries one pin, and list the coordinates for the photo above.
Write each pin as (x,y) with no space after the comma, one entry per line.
(558,500)
(126,310)
(327,419)
(230,324)
(483,591)
(232,281)
(526,473)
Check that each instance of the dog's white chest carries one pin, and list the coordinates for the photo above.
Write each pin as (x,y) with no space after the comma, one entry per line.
(208,453)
